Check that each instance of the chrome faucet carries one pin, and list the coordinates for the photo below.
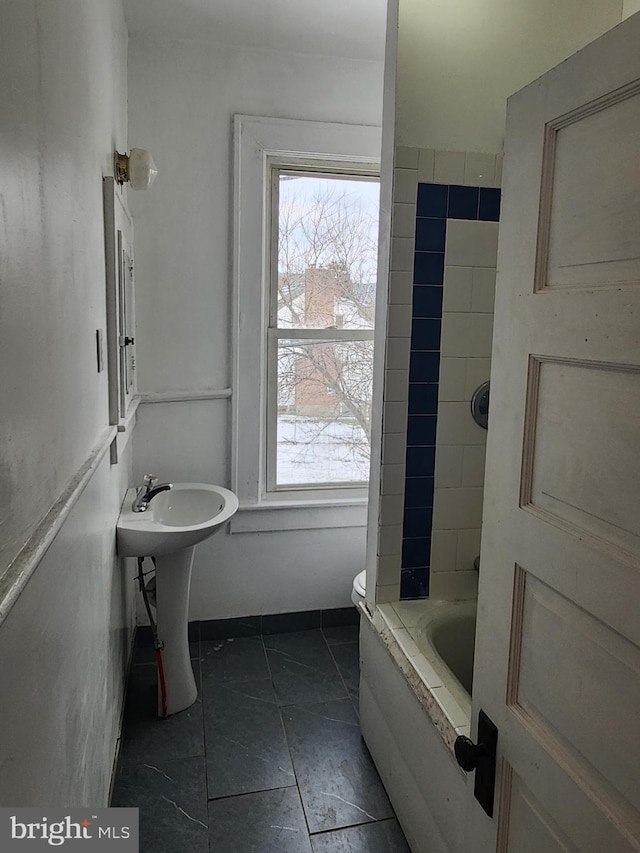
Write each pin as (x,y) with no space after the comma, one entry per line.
(147,493)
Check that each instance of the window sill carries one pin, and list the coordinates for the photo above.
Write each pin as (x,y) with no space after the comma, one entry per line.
(303,515)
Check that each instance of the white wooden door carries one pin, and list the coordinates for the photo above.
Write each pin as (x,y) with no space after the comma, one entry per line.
(558,646)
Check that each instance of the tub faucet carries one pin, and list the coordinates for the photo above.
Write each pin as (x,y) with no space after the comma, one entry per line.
(147,493)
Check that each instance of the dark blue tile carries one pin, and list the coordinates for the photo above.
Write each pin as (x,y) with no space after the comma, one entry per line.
(423,399)
(430,234)
(420,461)
(432,200)
(418,492)
(463,202)
(414,583)
(425,334)
(416,553)
(428,268)
(417,522)
(421,430)
(427,301)
(489,204)
(424,367)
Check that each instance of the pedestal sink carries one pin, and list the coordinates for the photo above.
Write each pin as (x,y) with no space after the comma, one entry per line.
(169,530)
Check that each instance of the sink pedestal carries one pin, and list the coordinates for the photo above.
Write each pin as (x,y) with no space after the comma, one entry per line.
(173,581)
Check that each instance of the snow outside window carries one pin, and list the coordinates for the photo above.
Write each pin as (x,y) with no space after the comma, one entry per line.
(305,258)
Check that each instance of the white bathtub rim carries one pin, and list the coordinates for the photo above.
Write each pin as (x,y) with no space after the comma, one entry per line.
(436,613)
(449,710)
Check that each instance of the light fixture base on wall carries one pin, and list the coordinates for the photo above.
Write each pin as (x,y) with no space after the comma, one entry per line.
(137,168)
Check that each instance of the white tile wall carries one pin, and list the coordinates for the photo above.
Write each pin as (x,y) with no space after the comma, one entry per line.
(405,186)
(404,220)
(458,289)
(449,167)
(466,335)
(400,288)
(466,348)
(453,372)
(479,169)
(393,479)
(449,466)
(407,158)
(471,243)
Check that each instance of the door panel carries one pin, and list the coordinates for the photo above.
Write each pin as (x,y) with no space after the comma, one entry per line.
(558,639)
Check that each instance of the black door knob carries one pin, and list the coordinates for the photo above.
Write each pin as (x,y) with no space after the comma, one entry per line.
(468,754)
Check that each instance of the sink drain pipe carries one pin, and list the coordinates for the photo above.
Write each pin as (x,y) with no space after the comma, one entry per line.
(158,644)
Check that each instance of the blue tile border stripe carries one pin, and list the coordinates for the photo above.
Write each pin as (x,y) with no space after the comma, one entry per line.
(435,204)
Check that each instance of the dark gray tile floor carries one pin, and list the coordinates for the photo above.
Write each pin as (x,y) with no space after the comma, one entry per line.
(270,759)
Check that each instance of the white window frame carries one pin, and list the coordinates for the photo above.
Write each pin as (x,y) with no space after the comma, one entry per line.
(259,143)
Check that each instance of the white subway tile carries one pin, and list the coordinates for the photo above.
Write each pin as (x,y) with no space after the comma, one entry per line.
(389,569)
(452,379)
(471,244)
(473,465)
(390,540)
(478,371)
(406,158)
(406,642)
(479,169)
(401,288)
(394,418)
(457,508)
(448,167)
(399,321)
(387,594)
(402,249)
(455,713)
(484,290)
(458,289)
(499,162)
(396,386)
(393,477)
(453,586)
(398,353)
(466,335)
(410,612)
(390,616)
(404,220)
(457,427)
(444,547)
(391,510)
(448,471)
(394,449)
(425,165)
(468,549)
(426,672)
(405,188)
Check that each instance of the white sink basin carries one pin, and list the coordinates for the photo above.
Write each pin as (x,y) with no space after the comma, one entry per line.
(175,519)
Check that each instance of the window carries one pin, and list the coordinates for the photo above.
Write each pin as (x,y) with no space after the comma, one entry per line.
(320,337)
(305,260)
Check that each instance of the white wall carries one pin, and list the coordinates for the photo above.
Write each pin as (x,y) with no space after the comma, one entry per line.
(62,646)
(630,7)
(459,60)
(183,96)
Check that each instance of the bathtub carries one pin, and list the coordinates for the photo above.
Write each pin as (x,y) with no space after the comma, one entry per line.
(415,699)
